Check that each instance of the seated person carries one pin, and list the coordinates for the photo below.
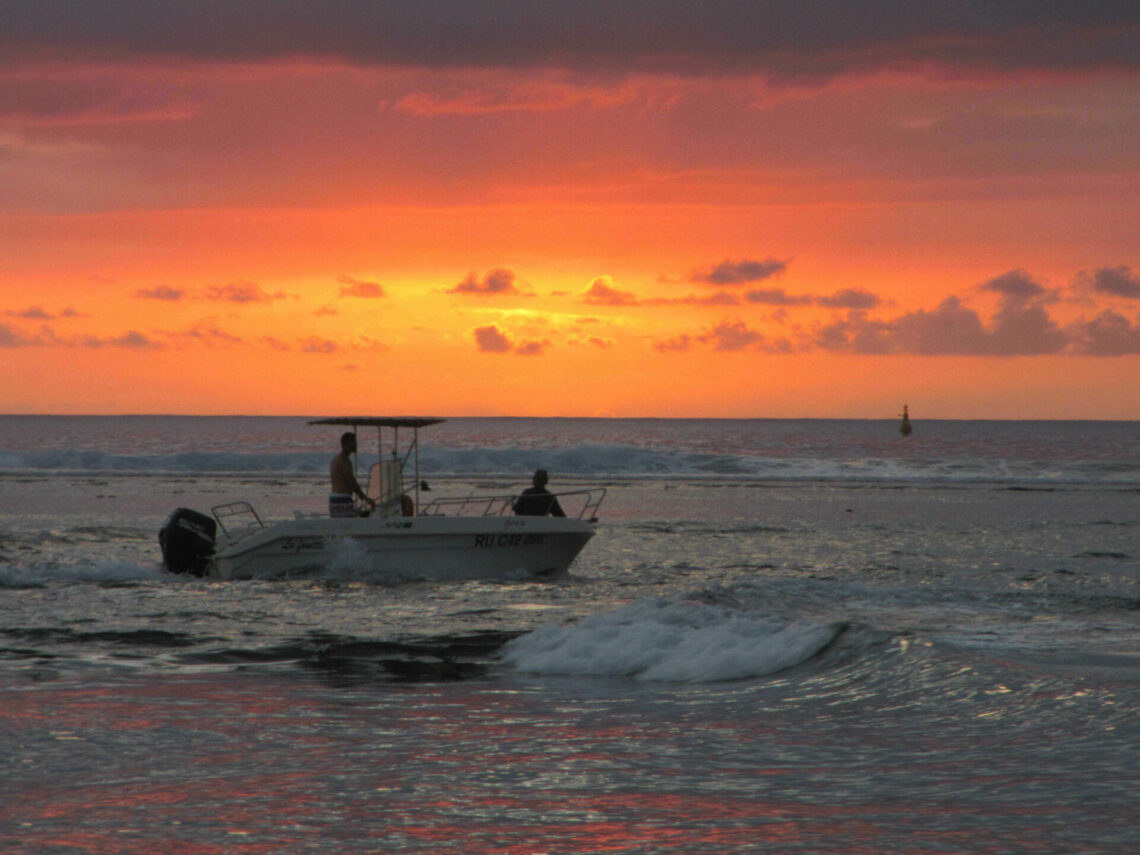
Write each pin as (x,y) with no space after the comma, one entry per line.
(537,501)
(344,485)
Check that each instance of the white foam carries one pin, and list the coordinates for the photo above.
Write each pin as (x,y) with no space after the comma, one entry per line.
(17,576)
(670,641)
(350,561)
(592,459)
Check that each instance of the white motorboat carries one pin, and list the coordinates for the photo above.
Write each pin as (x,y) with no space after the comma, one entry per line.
(453,538)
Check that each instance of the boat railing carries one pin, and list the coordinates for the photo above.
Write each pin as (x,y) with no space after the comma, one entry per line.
(231,515)
(468,506)
(591,502)
(579,504)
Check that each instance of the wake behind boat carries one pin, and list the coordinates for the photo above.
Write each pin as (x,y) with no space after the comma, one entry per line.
(459,538)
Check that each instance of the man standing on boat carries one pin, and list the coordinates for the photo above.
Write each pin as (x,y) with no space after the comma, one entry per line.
(343,476)
(537,501)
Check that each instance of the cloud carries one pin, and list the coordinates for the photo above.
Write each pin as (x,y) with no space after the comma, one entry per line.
(1108,334)
(849,298)
(1021,326)
(488,98)
(39,313)
(206,332)
(677,344)
(720,298)
(733,335)
(1014,285)
(34,313)
(243,292)
(357,288)
(11,337)
(725,336)
(783,40)
(131,340)
(602,293)
(161,292)
(775,297)
(739,272)
(531,348)
(323,346)
(1113,281)
(275,343)
(1018,328)
(366,342)
(48,100)
(315,344)
(491,339)
(496,283)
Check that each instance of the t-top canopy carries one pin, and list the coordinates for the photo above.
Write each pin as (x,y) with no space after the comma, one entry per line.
(380,421)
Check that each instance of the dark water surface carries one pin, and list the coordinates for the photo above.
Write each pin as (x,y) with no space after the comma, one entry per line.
(784,639)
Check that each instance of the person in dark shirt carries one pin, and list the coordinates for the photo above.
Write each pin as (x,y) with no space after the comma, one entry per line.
(537,501)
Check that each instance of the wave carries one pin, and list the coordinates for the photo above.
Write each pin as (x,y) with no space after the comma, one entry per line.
(596,460)
(342,660)
(680,641)
(108,572)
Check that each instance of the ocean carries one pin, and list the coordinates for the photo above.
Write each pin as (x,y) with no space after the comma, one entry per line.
(788,636)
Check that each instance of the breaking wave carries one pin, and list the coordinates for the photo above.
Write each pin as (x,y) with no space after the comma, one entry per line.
(19,576)
(594,460)
(684,641)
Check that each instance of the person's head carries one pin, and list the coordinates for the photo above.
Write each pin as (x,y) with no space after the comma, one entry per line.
(540,477)
(348,442)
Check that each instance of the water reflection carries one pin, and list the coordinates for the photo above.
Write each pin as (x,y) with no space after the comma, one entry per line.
(840,760)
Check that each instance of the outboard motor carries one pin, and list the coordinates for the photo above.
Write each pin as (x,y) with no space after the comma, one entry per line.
(187,541)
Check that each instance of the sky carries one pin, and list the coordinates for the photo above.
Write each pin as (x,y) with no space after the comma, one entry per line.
(600,208)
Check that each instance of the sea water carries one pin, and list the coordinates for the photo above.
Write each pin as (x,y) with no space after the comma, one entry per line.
(786,636)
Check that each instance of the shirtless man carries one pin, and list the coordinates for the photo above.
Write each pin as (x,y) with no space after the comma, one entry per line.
(344,485)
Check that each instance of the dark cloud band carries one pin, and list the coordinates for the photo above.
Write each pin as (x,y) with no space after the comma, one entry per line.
(807,39)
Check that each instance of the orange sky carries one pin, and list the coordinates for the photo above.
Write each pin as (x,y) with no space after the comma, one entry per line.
(747,209)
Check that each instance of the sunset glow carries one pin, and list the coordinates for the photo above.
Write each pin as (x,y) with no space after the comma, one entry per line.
(705,209)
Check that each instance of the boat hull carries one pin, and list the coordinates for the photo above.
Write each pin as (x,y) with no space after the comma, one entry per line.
(433,548)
